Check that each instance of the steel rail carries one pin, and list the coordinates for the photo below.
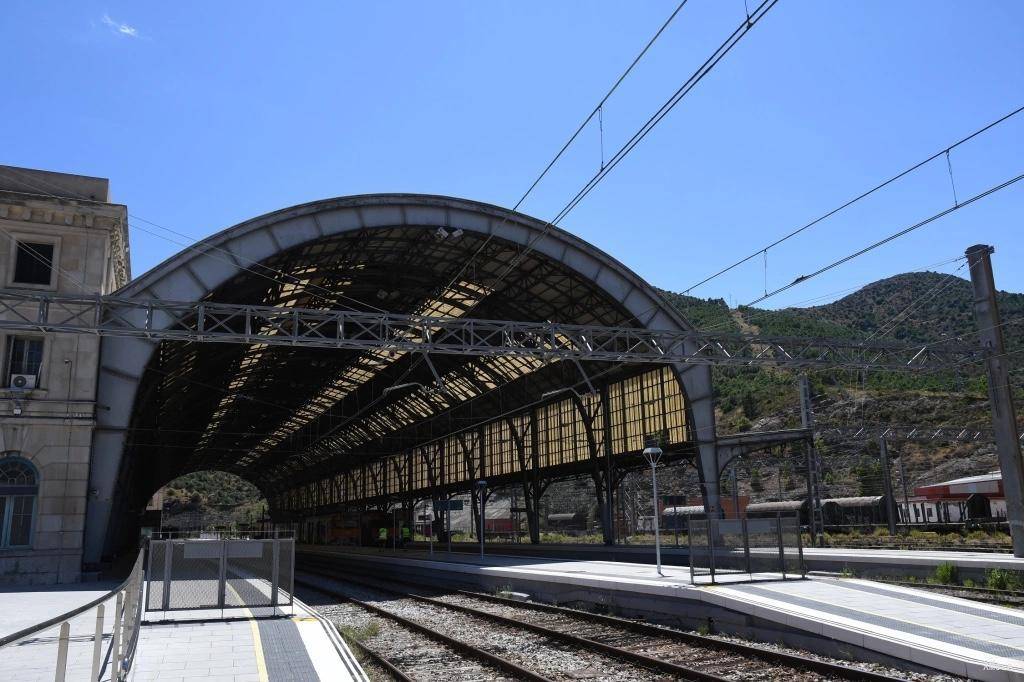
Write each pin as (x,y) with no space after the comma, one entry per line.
(642,660)
(381,660)
(209,322)
(825,667)
(456,644)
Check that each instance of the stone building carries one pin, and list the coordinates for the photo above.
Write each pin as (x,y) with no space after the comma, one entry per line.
(59,234)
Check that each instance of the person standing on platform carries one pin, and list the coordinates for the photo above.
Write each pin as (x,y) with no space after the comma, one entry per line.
(406,534)
(382,537)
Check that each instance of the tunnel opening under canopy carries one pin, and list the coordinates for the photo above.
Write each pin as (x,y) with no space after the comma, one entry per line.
(320,430)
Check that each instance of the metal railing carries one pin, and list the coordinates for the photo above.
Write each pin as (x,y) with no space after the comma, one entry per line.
(117,658)
(222,535)
(745,549)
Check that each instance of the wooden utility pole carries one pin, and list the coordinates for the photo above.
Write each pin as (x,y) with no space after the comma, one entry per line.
(1004,416)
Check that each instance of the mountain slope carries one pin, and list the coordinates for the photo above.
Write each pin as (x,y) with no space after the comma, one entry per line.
(920,306)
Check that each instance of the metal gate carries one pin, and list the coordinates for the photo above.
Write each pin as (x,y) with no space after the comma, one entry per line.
(219,573)
(738,550)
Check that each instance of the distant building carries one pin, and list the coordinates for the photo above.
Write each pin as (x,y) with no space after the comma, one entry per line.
(58,233)
(973,498)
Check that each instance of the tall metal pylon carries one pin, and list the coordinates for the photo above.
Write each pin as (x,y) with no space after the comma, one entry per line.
(815,521)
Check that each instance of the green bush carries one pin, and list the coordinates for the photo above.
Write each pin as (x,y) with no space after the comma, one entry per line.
(1002,579)
(947,573)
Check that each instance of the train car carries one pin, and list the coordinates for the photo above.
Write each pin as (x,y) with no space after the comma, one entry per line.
(567,521)
(764,510)
(866,510)
(676,518)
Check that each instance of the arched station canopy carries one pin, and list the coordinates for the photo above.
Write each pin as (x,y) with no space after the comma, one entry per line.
(280,416)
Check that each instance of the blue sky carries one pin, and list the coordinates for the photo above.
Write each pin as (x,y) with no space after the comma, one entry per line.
(206,114)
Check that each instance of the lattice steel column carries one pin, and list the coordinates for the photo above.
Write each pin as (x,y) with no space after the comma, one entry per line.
(890,501)
(816,523)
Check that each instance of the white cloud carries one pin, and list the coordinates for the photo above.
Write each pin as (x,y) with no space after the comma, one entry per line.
(119,28)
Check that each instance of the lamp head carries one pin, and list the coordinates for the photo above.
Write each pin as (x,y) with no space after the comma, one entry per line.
(652,454)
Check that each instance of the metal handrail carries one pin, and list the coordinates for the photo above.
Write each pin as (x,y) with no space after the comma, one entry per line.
(125,627)
(56,620)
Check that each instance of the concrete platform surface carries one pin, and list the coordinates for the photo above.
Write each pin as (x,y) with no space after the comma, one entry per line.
(817,558)
(34,659)
(238,645)
(952,635)
(22,607)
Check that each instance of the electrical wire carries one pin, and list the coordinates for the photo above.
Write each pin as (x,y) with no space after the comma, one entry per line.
(687,86)
(597,110)
(896,235)
(637,137)
(236,260)
(80,283)
(859,197)
(900,317)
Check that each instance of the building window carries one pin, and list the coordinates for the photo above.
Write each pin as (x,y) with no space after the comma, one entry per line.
(24,356)
(19,487)
(33,263)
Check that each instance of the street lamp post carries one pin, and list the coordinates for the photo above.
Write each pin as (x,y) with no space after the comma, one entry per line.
(653,456)
(481,485)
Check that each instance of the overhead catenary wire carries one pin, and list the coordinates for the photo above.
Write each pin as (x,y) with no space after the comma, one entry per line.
(598,110)
(734,38)
(904,314)
(730,42)
(956,207)
(863,195)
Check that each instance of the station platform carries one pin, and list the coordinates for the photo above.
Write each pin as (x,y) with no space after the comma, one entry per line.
(34,659)
(247,645)
(232,645)
(829,559)
(941,633)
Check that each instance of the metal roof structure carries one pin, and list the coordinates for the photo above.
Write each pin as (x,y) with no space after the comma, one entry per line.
(317,429)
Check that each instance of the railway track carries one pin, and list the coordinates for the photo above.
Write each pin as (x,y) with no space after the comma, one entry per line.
(500,650)
(407,649)
(661,653)
(982,594)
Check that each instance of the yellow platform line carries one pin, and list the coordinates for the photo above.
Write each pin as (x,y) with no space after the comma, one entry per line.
(257,641)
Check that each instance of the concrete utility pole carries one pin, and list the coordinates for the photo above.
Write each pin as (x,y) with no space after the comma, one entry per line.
(1004,416)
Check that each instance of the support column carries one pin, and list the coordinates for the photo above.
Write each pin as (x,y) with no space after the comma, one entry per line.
(608,512)
(890,501)
(1004,416)
(696,381)
(816,525)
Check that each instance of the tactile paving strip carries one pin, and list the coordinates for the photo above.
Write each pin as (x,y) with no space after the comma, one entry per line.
(934,602)
(893,624)
(285,653)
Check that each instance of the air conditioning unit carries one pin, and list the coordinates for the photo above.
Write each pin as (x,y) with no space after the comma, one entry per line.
(23,382)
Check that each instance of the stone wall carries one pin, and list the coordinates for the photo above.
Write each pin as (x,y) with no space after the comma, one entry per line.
(51,426)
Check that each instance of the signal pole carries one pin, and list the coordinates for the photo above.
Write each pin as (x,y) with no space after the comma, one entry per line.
(1004,416)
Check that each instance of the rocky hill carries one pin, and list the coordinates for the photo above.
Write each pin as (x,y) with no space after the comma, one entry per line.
(916,307)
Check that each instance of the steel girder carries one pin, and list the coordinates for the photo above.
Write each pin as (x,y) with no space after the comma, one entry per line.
(206,322)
